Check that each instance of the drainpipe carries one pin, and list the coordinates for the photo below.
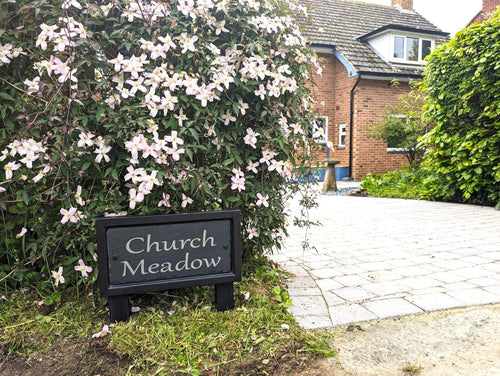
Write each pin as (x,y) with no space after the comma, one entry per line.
(351,121)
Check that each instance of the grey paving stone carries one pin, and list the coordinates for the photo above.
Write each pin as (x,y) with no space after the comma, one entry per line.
(459,286)
(392,308)
(476,260)
(381,276)
(452,264)
(326,273)
(351,280)
(308,305)
(420,282)
(296,270)
(328,284)
(296,290)
(494,267)
(386,288)
(495,290)
(448,253)
(430,290)
(472,272)
(447,277)
(484,282)
(434,302)
(375,266)
(333,299)
(353,294)
(301,282)
(475,296)
(349,313)
(314,322)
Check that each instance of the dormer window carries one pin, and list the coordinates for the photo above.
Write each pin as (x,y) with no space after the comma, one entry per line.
(411,49)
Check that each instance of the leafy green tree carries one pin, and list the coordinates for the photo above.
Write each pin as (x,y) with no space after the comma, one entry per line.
(144,107)
(403,125)
(462,84)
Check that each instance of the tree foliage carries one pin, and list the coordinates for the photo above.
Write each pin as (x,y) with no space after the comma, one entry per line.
(144,107)
(462,84)
(403,125)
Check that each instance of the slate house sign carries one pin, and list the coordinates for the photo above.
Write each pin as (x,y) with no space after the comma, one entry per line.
(138,254)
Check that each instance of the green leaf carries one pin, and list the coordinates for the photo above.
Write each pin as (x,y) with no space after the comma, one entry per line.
(6,96)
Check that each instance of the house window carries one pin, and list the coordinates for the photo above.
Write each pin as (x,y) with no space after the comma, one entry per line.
(320,129)
(342,134)
(411,49)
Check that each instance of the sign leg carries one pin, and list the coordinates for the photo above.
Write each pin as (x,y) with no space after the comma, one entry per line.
(119,308)
(224,299)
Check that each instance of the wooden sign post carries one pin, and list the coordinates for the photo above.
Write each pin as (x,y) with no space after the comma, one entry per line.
(139,254)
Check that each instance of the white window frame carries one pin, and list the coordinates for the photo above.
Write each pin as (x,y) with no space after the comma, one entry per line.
(342,133)
(405,59)
(325,128)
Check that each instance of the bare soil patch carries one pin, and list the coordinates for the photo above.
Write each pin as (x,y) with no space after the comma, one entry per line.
(68,356)
(461,342)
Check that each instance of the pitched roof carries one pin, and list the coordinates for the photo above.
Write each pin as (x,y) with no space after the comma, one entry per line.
(342,24)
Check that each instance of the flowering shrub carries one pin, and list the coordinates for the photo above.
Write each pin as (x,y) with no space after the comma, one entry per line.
(144,107)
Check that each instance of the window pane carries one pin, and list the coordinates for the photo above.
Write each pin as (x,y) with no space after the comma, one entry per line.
(426,48)
(412,49)
(342,134)
(399,45)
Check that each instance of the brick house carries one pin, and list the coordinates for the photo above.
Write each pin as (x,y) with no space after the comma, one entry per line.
(489,6)
(364,47)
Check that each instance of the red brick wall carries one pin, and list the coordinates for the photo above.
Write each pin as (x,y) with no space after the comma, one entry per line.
(332,99)
(370,100)
(405,4)
(489,6)
(332,93)
(324,94)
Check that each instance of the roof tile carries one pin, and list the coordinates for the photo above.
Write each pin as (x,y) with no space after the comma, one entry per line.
(340,24)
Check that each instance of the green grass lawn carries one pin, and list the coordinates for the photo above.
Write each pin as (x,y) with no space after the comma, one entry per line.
(174,332)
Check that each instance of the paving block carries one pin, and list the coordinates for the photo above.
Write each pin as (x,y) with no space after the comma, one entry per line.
(353,294)
(327,284)
(476,296)
(333,299)
(447,277)
(420,282)
(308,305)
(349,313)
(314,322)
(434,302)
(392,308)
(386,287)
(351,280)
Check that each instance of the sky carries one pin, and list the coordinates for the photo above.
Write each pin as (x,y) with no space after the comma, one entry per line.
(449,15)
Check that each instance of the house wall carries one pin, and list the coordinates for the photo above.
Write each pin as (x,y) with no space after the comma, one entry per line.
(332,93)
(324,94)
(370,100)
(489,6)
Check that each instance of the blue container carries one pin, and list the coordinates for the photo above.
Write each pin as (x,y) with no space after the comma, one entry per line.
(341,172)
(313,175)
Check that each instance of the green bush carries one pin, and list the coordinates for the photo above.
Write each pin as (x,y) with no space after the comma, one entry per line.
(144,107)
(403,125)
(407,183)
(462,84)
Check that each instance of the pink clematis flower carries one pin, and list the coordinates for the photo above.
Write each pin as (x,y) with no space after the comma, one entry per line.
(21,234)
(262,200)
(105,330)
(72,214)
(58,276)
(82,268)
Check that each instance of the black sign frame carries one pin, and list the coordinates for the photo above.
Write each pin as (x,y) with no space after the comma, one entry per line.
(117,293)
